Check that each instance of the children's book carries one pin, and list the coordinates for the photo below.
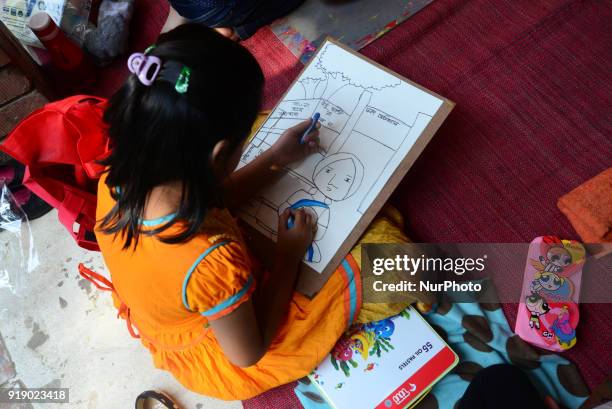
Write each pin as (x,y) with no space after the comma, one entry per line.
(374,125)
(384,364)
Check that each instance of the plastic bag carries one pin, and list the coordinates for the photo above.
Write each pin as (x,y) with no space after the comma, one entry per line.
(18,256)
(71,15)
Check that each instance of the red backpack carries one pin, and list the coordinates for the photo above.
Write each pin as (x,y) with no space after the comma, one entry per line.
(60,145)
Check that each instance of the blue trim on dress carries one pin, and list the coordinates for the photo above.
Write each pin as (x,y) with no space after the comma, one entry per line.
(230,301)
(158,220)
(193,267)
(352,290)
(152,222)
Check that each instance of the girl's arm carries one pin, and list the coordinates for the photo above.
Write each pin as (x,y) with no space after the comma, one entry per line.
(242,184)
(246,334)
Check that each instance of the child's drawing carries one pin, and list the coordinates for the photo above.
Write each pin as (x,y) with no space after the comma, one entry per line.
(336,177)
(370,120)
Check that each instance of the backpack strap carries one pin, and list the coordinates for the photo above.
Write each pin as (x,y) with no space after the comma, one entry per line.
(86,116)
(66,104)
(69,212)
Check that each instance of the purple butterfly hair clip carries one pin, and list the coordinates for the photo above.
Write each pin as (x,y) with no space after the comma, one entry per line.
(146,68)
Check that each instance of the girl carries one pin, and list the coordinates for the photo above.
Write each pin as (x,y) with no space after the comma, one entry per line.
(183,277)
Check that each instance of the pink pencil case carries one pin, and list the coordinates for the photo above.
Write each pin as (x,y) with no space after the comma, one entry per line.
(548,312)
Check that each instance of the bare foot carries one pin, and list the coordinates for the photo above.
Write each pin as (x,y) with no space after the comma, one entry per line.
(228,32)
(174,20)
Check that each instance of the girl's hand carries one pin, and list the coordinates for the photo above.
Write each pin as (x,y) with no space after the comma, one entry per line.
(293,242)
(288,148)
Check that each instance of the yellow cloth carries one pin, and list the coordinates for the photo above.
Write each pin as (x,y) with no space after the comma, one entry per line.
(387,227)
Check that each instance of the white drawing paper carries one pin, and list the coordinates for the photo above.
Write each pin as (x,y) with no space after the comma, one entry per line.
(370,120)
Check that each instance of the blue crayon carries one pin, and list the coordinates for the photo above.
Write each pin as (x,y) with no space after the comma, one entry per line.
(315,119)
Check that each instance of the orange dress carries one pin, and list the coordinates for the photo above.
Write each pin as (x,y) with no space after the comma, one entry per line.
(168,292)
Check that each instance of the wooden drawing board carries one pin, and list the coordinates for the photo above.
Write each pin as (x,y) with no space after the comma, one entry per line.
(261,239)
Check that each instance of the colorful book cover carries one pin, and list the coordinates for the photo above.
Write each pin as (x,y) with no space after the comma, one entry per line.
(384,364)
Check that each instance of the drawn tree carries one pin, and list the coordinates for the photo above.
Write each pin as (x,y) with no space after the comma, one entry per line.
(330,77)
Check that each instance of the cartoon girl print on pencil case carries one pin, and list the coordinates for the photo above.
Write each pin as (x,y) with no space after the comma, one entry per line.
(550,296)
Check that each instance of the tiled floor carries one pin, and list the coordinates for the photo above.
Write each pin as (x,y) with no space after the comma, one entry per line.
(63,332)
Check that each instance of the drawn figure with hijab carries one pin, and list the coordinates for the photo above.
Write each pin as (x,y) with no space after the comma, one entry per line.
(336,177)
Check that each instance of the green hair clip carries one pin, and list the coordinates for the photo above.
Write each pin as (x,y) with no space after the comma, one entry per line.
(149,49)
(182,82)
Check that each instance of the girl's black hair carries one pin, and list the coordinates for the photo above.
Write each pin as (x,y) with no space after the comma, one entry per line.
(159,135)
